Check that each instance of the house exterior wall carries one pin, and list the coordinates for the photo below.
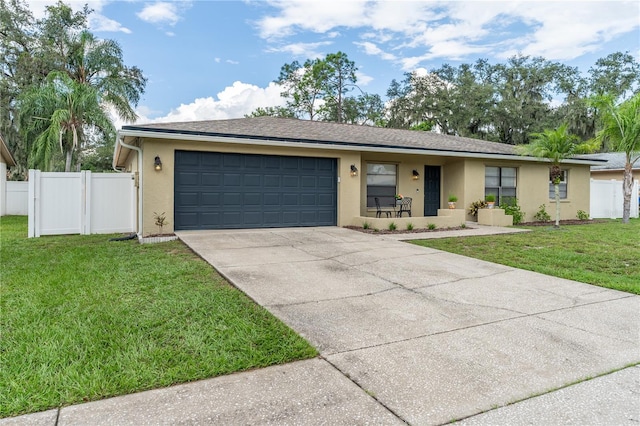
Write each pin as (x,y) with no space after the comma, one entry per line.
(158,191)
(463,177)
(532,187)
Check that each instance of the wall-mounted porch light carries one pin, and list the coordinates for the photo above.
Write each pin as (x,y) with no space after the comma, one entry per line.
(354,170)
(157,164)
(415,174)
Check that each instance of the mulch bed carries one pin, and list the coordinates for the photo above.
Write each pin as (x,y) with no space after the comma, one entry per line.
(402,231)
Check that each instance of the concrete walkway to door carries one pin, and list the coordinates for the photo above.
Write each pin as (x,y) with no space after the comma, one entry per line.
(433,336)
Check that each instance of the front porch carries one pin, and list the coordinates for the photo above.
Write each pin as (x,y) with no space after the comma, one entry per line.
(446,218)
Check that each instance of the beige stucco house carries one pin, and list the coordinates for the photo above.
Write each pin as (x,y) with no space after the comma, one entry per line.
(275,172)
(6,160)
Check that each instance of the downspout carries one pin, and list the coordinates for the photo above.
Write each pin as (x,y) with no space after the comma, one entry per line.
(120,141)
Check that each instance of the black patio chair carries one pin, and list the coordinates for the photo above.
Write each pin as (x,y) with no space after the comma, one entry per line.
(405,206)
(379,211)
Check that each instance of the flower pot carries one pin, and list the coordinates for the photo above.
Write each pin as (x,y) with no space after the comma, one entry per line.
(491,204)
(452,205)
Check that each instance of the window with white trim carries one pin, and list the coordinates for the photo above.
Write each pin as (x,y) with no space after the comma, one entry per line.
(501,182)
(381,183)
(563,186)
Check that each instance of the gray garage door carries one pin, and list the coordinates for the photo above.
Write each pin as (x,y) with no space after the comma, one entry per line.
(224,191)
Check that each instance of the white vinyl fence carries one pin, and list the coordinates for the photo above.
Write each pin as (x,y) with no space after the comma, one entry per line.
(17,198)
(80,203)
(607,199)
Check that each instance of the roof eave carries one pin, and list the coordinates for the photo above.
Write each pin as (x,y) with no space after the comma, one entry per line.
(129,131)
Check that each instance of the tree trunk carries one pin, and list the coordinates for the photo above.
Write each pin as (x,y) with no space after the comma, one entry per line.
(67,164)
(627,186)
(556,190)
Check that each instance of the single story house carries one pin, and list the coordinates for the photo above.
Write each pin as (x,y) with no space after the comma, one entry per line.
(276,172)
(613,169)
(6,160)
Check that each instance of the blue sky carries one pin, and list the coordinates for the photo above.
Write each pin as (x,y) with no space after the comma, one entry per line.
(217,59)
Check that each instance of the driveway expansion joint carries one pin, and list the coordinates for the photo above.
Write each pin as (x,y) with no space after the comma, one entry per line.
(368,393)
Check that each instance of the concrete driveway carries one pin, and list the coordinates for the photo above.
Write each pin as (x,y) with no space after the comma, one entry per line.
(432,336)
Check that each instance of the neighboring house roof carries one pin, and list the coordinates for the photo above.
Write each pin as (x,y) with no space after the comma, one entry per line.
(5,153)
(346,136)
(614,161)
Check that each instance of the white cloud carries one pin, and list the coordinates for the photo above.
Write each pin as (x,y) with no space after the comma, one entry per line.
(363,79)
(161,13)
(457,29)
(232,62)
(304,50)
(102,23)
(374,50)
(233,102)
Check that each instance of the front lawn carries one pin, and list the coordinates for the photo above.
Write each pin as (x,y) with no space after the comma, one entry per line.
(82,318)
(605,254)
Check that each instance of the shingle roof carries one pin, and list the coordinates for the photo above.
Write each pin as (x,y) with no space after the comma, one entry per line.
(615,161)
(293,130)
(290,130)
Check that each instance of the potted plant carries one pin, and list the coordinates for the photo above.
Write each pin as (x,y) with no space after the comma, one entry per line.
(491,200)
(452,201)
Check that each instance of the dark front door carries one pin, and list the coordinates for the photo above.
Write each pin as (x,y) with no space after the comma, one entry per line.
(431,190)
(215,190)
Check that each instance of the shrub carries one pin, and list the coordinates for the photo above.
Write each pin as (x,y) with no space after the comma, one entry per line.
(366,225)
(511,207)
(463,225)
(490,198)
(431,226)
(582,215)
(475,206)
(409,226)
(392,226)
(453,198)
(542,215)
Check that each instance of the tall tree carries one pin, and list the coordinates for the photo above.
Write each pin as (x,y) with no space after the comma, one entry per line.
(556,145)
(620,131)
(302,87)
(60,42)
(60,113)
(338,78)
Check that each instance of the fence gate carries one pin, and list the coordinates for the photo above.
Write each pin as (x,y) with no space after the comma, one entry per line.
(606,199)
(80,203)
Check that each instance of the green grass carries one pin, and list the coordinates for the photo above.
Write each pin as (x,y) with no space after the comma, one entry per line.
(606,254)
(82,318)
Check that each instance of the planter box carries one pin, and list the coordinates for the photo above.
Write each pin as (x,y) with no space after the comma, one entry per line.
(160,239)
(494,217)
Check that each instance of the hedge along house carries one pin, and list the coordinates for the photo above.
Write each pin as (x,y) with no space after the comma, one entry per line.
(274,172)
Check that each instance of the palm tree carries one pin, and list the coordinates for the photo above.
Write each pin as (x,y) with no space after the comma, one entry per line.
(621,132)
(61,112)
(556,145)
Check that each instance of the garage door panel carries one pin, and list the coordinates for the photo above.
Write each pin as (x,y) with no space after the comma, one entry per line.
(227,190)
(233,199)
(290,200)
(252,179)
(324,182)
(290,181)
(325,200)
(209,161)
(210,198)
(189,178)
(187,199)
(271,181)
(252,199)
(271,199)
(210,179)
